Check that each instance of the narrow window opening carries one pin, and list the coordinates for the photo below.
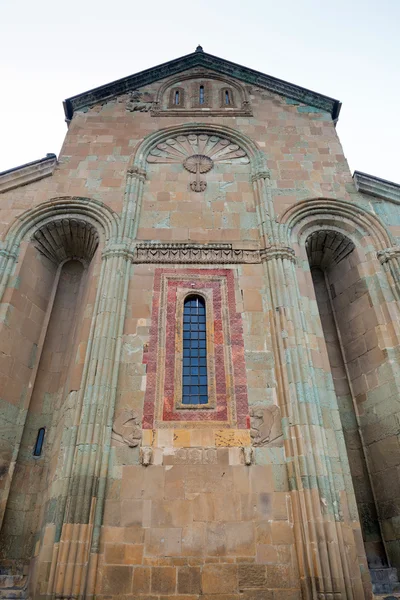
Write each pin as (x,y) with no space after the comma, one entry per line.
(201,95)
(177,97)
(37,451)
(195,386)
(227,98)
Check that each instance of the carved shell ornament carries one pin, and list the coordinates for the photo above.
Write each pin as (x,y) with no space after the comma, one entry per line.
(197,154)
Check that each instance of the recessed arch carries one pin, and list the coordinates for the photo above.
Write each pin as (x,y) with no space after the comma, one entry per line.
(352,220)
(72,207)
(139,158)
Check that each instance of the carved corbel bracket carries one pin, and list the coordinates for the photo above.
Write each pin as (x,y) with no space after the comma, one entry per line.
(248,455)
(146,456)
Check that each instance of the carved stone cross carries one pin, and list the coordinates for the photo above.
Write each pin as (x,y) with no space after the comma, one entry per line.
(198,163)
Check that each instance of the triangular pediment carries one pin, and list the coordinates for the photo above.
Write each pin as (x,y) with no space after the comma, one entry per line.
(200,59)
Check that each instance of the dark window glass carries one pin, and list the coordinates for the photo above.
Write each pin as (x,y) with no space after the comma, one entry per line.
(194,351)
(177,97)
(201,95)
(37,451)
(227,98)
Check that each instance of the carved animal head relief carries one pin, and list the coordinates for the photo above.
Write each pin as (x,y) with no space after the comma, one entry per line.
(127,428)
(198,154)
(266,426)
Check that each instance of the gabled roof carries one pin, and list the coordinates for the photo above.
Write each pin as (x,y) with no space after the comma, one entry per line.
(27,173)
(199,58)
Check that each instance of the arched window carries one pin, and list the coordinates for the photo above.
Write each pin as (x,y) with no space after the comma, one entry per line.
(176,100)
(227,97)
(201,94)
(195,387)
(37,451)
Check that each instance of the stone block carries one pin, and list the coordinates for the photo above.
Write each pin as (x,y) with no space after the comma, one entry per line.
(219,578)
(163,580)
(189,580)
(251,576)
(117,580)
(141,580)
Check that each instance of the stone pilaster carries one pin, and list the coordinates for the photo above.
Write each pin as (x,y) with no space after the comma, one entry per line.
(75,552)
(311,431)
(390,259)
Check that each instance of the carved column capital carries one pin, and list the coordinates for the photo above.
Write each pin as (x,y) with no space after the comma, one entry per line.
(264,174)
(137,172)
(117,250)
(388,253)
(275,251)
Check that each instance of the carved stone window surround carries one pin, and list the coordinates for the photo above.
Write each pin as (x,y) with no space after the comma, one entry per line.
(231,405)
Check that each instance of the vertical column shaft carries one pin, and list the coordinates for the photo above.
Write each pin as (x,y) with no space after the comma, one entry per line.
(324,571)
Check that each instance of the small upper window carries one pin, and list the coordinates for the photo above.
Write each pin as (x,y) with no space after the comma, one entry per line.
(227,97)
(176,97)
(37,451)
(201,94)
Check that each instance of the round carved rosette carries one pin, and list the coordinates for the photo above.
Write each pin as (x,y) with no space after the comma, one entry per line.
(198,163)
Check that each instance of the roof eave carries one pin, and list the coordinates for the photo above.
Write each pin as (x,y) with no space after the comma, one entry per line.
(210,61)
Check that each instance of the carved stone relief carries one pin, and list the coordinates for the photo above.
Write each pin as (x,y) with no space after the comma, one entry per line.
(266,427)
(198,154)
(139,101)
(127,428)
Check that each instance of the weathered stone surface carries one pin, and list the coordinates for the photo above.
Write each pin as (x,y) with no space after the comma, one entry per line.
(301,347)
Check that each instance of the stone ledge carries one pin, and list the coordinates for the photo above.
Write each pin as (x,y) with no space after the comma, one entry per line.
(374,186)
(28,173)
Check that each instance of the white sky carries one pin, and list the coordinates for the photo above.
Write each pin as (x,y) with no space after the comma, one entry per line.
(347,49)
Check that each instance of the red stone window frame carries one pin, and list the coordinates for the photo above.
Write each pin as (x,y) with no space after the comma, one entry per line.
(181,98)
(162,405)
(231,98)
(196,94)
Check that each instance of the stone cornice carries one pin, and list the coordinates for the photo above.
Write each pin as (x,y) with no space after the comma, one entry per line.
(374,186)
(208,61)
(28,173)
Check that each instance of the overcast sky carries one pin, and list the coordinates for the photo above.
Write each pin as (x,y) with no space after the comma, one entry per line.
(347,49)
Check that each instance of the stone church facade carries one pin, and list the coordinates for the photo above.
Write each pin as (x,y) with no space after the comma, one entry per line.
(200,373)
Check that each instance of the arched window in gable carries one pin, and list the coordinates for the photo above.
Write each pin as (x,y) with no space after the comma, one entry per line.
(177,98)
(194,374)
(227,99)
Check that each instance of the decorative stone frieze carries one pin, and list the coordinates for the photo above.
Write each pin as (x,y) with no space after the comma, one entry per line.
(193,253)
